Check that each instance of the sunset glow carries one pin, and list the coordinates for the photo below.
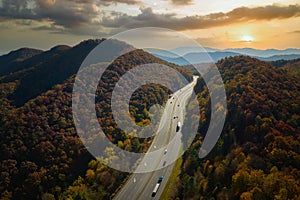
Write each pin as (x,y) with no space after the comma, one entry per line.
(217,24)
(247,38)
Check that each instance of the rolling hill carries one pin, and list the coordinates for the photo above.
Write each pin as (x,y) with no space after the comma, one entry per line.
(257,156)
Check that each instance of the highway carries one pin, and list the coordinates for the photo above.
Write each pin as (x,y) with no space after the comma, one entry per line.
(141,185)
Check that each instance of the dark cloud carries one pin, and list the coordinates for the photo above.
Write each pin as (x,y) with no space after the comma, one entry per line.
(87,16)
(17,9)
(242,14)
(67,15)
(71,15)
(61,12)
(182,2)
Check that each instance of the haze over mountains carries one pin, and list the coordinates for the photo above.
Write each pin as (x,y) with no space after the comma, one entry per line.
(197,55)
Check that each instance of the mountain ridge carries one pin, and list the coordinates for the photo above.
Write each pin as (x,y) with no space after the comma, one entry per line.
(205,57)
(8,61)
(54,66)
(41,72)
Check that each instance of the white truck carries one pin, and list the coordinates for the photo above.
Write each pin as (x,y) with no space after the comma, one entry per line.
(157,186)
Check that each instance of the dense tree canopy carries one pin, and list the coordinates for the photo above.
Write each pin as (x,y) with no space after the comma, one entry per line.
(41,156)
(257,156)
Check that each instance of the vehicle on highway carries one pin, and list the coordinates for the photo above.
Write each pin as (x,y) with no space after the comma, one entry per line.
(178,126)
(165,162)
(157,186)
(166,150)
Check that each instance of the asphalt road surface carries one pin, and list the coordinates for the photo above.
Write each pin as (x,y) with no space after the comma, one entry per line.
(167,143)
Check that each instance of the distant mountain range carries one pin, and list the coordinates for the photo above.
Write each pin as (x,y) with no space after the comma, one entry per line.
(195,55)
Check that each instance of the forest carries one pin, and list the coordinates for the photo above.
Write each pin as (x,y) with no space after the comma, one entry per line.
(258,154)
(42,157)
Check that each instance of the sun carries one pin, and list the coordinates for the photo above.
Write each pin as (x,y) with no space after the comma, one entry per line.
(247,38)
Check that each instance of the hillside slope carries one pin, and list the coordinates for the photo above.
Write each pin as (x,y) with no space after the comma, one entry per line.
(41,154)
(9,62)
(257,156)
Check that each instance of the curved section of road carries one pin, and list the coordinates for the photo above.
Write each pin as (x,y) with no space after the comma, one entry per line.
(168,144)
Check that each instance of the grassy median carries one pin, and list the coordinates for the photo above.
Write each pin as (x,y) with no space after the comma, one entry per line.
(173,181)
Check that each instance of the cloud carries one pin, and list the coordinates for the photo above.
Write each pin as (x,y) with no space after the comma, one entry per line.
(128,2)
(62,12)
(46,3)
(88,17)
(295,32)
(182,2)
(106,2)
(238,15)
(71,15)
(17,9)
(265,13)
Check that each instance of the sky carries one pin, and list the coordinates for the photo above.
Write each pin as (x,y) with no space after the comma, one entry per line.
(42,24)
